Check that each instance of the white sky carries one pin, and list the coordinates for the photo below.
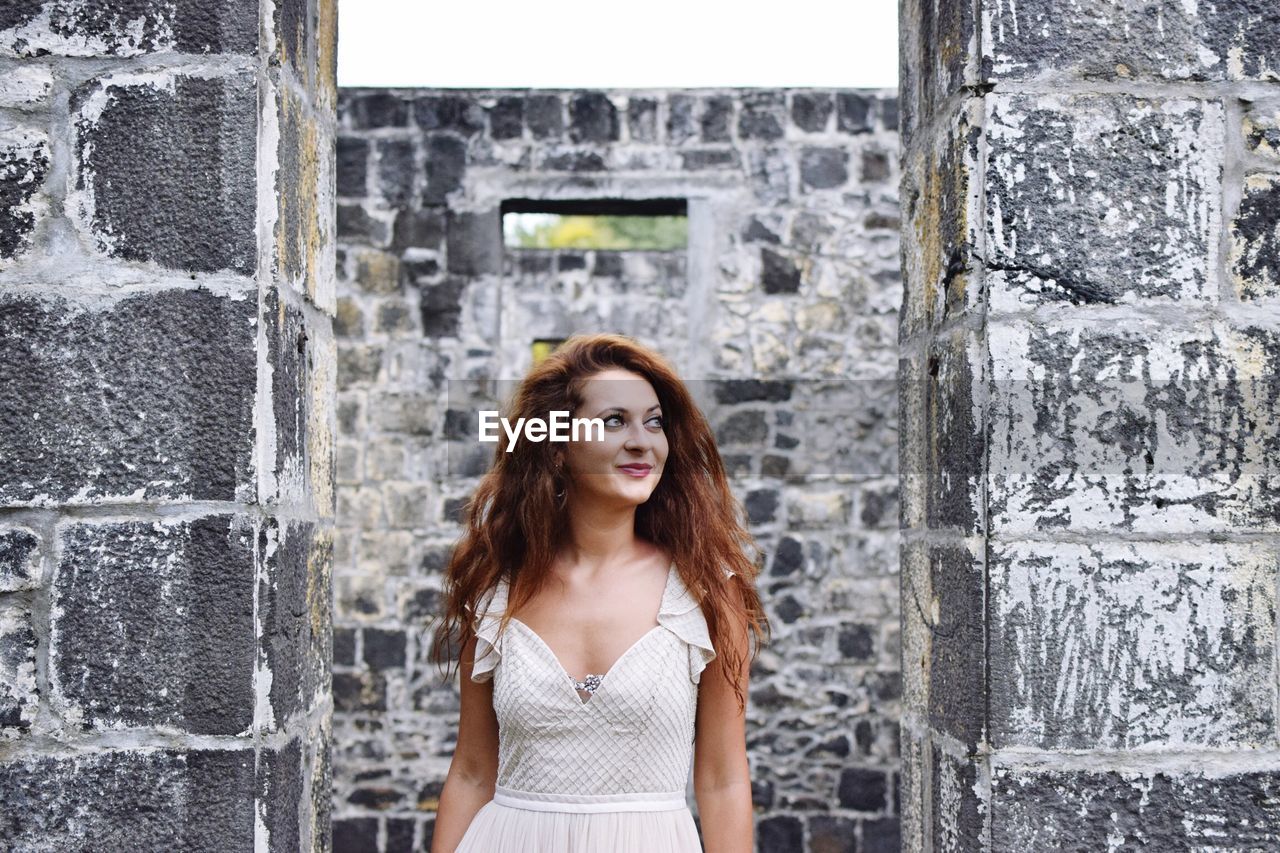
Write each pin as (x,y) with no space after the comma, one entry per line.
(609,44)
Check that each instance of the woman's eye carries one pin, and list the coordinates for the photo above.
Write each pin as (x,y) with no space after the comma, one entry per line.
(656,421)
(608,420)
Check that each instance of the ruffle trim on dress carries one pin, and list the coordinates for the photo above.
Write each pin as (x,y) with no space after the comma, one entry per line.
(488,643)
(681,615)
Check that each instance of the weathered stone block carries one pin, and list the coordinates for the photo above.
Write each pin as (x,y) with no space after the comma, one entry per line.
(319,763)
(352,166)
(830,834)
(423,228)
(102,28)
(379,273)
(357,365)
(545,116)
(1077,185)
(24,163)
(914,443)
(449,112)
(957,809)
(810,111)
(357,225)
(301,369)
(882,835)
(294,598)
(1255,239)
(359,692)
(853,112)
(158,799)
(367,110)
(151,398)
(348,322)
(940,203)
(889,114)
(446,162)
(165,169)
(1073,665)
(474,243)
(779,833)
(152,624)
(715,158)
(1162,40)
(18,691)
(27,87)
(862,789)
(716,118)
(1144,427)
(397,172)
(954,432)
(506,118)
(19,559)
(762,115)
(876,166)
(778,273)
(592,118)
(281,779)
(824,168)
(642,119)
(681,126)
(573,161)
(304,182)
(936,57)
(1261,128)
(916,761)
(384,649)
(942,637)
(306,40)
(357,835)
(1034,809)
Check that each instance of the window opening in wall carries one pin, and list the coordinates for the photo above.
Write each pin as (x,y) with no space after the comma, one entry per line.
(659,224)
(543,347)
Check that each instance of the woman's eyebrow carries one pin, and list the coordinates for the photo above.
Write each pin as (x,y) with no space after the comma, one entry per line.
(624,410)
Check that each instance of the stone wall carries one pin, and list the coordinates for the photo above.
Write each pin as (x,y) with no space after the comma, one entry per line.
(166,424)
(1090,343)
(782,313)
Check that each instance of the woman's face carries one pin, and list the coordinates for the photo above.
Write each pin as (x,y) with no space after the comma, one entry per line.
(623,469)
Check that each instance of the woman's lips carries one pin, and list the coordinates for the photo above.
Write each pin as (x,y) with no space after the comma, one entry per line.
(637,470)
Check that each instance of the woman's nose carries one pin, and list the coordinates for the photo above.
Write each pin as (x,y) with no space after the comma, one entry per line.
(638,437)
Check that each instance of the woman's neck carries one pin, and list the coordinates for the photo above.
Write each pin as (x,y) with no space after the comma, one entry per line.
(600,538)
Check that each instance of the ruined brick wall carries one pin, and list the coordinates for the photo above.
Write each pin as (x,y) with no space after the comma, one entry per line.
(782,313)
(166,424)
(1090,345)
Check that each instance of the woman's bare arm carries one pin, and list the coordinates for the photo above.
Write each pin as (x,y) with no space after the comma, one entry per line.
(473,772)
(721,777)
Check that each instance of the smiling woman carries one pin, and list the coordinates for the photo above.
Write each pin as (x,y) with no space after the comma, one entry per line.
(624,558)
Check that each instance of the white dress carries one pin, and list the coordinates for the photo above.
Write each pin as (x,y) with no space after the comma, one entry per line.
(607,774)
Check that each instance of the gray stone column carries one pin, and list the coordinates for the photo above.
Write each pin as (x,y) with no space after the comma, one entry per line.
(166,421)
(1090,338)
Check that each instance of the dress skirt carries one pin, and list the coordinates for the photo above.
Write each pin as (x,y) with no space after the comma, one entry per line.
(519,822)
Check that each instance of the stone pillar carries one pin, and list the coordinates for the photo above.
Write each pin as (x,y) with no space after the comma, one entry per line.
(1090,343)
(166,422)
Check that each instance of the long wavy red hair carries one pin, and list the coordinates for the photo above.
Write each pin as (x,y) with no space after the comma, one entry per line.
(515,527)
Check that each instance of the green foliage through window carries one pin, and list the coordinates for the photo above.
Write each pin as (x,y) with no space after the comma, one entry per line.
(573,231)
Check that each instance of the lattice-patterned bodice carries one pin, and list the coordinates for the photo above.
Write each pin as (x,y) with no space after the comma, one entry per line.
(635,732)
